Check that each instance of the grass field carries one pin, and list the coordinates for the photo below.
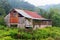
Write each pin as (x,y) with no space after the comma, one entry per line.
(50,33)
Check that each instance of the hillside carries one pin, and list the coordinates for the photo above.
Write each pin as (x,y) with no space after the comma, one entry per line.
(21,4)
(47,7)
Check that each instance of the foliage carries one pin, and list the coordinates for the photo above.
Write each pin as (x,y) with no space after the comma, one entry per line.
(7,38)
(5,5)
(2,20)
(53,14)
(2,11)
(49,33)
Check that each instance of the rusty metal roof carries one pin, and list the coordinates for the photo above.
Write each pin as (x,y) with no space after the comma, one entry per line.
(29,14)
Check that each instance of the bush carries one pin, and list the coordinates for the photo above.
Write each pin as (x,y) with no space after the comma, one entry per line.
(7,38)
(2,21)
(49,33)
(44,33)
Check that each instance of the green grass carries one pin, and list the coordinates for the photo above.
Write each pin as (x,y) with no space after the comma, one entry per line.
(49,33)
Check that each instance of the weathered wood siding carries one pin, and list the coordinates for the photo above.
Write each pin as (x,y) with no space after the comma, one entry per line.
(21,23)
(14,18)
(41,24)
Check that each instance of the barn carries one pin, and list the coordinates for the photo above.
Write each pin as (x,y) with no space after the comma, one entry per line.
(26,19)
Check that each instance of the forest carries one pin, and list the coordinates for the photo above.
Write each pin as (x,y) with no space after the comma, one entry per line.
(49,33)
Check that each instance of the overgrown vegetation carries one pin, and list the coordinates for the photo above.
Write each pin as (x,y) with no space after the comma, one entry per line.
(53,14)
(49,33)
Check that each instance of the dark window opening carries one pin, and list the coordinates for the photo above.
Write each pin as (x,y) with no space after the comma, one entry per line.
(0,14)
(28,28)
(19,15)
(13,26)
(14,12)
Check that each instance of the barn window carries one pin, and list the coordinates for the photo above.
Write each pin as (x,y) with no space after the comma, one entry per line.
(19,15)
(15,14)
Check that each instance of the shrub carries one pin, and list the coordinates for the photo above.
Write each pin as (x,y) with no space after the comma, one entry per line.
(7,38)
(2,21)
(52,32)
(49,33)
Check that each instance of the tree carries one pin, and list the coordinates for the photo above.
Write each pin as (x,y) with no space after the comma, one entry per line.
(53,14)
(2,12)
(5,5)
(43,13)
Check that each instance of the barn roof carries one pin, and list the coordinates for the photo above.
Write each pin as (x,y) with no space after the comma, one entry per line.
(29,14)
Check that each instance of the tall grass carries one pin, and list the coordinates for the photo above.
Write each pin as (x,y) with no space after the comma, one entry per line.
(49,33)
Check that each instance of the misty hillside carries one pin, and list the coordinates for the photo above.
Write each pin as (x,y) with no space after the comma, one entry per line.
(21,4)
(47,7)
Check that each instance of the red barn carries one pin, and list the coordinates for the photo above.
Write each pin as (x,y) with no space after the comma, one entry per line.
(25,18)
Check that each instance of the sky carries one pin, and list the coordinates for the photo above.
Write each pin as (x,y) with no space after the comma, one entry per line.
(43,2)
